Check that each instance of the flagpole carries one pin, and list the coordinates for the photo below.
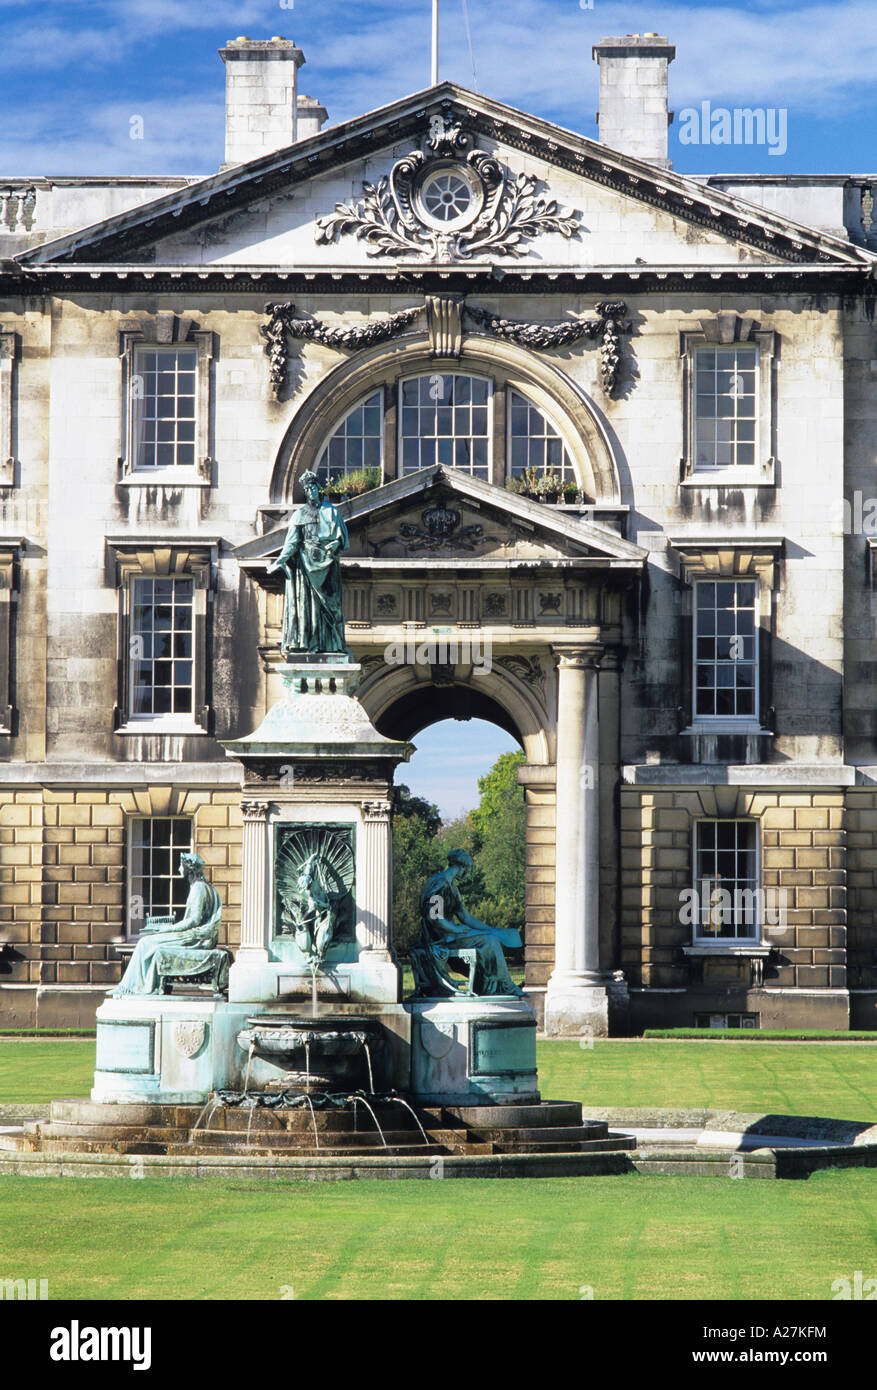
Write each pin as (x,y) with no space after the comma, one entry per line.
(435,41)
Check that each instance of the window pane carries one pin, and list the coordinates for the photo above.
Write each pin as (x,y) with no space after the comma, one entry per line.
(726,879)
(160,631)
(725,649)
(161,401)
(156,887)
(534,442)
(357,442)
(444,427)
(725,406)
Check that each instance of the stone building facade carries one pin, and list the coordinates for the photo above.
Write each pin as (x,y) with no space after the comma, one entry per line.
(449,291)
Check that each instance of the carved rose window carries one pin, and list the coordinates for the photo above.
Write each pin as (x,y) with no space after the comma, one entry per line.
(446,196)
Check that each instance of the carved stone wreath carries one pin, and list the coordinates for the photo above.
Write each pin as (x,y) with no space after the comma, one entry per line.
(502,212)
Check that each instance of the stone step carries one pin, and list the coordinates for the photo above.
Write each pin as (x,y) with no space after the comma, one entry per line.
(282,1139)
(158,1134)
(548,1114)
(550,1134)
(98,1146)
(84,1112)
(311,1151)
(610,1145)
(337,1121)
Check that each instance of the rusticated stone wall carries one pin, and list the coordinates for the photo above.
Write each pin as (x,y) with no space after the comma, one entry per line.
(64,890)
(803,852)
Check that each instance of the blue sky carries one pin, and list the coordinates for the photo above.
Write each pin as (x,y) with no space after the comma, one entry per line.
(450,758)
(76,71)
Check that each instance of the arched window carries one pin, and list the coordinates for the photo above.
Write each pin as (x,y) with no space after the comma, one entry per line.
(445,418)
(356,443)
(482,424)
(534,443)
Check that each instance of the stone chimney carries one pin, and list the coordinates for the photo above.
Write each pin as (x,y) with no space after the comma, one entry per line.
(633,115)
(261,96)
(312,116)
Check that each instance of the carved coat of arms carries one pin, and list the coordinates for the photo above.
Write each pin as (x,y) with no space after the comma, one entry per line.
(189,1037)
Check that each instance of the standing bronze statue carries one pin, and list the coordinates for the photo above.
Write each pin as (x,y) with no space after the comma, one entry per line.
(313,615)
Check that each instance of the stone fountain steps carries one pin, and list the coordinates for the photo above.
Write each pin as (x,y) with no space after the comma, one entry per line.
(546,1115)
(568,1140)
(531,1135)
(178,1143)
(87,1112)
(298,1139)
(138,1128)
(300,1121)
(611,1144)
(159,1134)
(260,1148)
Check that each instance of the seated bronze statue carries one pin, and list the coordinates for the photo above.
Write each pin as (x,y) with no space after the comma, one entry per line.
(447,929)
(168,950)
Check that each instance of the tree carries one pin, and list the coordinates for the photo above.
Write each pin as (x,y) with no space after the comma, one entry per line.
(416,824)
(493,834)
(499,822)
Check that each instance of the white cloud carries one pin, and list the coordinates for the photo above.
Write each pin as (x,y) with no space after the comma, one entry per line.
(795,56)
(180,137)
(817,60)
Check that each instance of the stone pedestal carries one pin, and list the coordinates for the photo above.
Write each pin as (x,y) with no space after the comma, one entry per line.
(173,1050)
(316,761)
(473,1052)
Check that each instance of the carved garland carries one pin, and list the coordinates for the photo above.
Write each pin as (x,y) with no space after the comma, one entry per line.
(538,337)
(543,336)
(282,325)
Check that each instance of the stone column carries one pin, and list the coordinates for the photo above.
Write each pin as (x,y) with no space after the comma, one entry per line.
(576,1001)
(374,891)
(255,908)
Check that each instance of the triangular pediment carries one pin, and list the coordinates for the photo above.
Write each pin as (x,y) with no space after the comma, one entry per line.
(442,515)
(353,197)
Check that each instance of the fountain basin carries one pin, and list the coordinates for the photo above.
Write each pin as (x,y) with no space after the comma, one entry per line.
(311,1053)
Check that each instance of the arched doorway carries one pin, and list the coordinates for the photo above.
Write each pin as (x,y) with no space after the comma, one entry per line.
(402,704)
(465,600)
(460,791)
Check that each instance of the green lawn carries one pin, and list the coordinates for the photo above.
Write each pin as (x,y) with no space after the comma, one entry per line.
(831,1080)
(837,1081)
(624,1237)
(38,1070)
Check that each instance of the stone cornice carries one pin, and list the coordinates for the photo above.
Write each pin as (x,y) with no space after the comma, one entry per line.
(235,189)
(602,281)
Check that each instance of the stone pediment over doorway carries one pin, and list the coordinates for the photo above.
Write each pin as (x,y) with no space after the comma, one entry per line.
(449,520)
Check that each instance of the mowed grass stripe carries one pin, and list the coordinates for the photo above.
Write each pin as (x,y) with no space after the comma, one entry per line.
(628,1237)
